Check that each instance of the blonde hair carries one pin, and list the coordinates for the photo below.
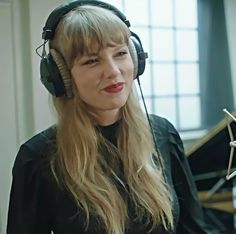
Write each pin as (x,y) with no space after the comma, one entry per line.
(80,163)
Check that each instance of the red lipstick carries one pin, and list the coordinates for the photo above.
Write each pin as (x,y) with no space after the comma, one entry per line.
(115,88)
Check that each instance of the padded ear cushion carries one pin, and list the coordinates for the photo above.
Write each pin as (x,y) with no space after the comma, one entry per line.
(64,72)
(134,56)
(141,55)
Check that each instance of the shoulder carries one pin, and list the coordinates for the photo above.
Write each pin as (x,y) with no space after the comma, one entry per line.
(41,141)
(36,150)
(165,132)
(162,126)
(159,123)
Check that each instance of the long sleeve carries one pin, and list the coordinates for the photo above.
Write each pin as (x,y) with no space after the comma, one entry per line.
(187,211)
(191,220)
(27,212)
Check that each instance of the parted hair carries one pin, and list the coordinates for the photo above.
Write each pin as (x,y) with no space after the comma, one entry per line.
(86,164)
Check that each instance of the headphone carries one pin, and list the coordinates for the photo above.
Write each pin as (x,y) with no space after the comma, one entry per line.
(54,73)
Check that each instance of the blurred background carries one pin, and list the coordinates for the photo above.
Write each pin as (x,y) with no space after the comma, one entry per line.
(190,74)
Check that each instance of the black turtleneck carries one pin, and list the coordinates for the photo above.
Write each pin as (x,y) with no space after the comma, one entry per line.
(110,132)
(39,206)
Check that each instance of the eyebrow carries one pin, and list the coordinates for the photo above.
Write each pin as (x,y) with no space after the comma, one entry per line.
(117,46)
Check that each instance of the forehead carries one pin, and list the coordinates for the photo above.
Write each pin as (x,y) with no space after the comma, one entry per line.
(96,48)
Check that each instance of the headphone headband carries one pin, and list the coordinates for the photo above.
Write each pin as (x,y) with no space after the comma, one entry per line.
(59,12)
(53,69)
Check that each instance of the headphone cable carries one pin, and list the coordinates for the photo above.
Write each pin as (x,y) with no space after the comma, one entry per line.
(152,131)
(44,50)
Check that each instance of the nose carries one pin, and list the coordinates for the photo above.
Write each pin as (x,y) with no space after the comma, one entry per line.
(111,69)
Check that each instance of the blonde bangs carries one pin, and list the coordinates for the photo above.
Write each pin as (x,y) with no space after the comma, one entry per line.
(86,26)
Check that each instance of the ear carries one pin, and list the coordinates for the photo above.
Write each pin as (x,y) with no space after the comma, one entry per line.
(64,71)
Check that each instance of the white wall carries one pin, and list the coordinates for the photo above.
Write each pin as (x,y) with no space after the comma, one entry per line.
(39,11)
(16,120)
(230,9)
(8,124)
(23,100)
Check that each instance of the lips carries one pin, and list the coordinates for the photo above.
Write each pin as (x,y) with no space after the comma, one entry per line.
(115,88)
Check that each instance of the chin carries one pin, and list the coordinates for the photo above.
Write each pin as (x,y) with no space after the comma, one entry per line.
(120,103)
(115,105)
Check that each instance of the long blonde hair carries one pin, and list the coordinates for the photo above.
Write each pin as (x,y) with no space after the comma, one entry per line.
(80,164)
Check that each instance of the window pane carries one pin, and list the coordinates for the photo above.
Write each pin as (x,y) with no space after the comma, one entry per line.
(145,81)
(137,11)
(188,78)
(164,79)
(189,109)
(162,45)
(168,32)
(166,107)
(162,13)
(186,13)
(143,34)
(187,45)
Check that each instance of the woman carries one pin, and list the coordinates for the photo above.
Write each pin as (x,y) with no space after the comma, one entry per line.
(98,170)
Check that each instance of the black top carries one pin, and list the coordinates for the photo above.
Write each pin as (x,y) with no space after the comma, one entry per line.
(39,206)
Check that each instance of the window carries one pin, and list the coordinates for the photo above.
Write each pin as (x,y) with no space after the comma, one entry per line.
(169,33)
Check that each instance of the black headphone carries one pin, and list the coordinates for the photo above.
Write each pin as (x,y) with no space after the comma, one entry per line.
(54,74)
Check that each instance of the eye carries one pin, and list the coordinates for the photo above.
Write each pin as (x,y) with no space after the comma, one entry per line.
(91,61)
(121,53)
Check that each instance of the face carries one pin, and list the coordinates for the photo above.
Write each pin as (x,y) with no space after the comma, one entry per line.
(104,79)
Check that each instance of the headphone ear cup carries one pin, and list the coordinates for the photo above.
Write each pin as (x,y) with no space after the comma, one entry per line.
(134,56)
(138,55)
(64,72)
(50,76)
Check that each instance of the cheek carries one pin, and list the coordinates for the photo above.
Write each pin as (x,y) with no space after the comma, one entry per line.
(82,80)
(130,73)
(130,85)
(86,87)
(82,90)
(78,85)
(81,86)
(130,68)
